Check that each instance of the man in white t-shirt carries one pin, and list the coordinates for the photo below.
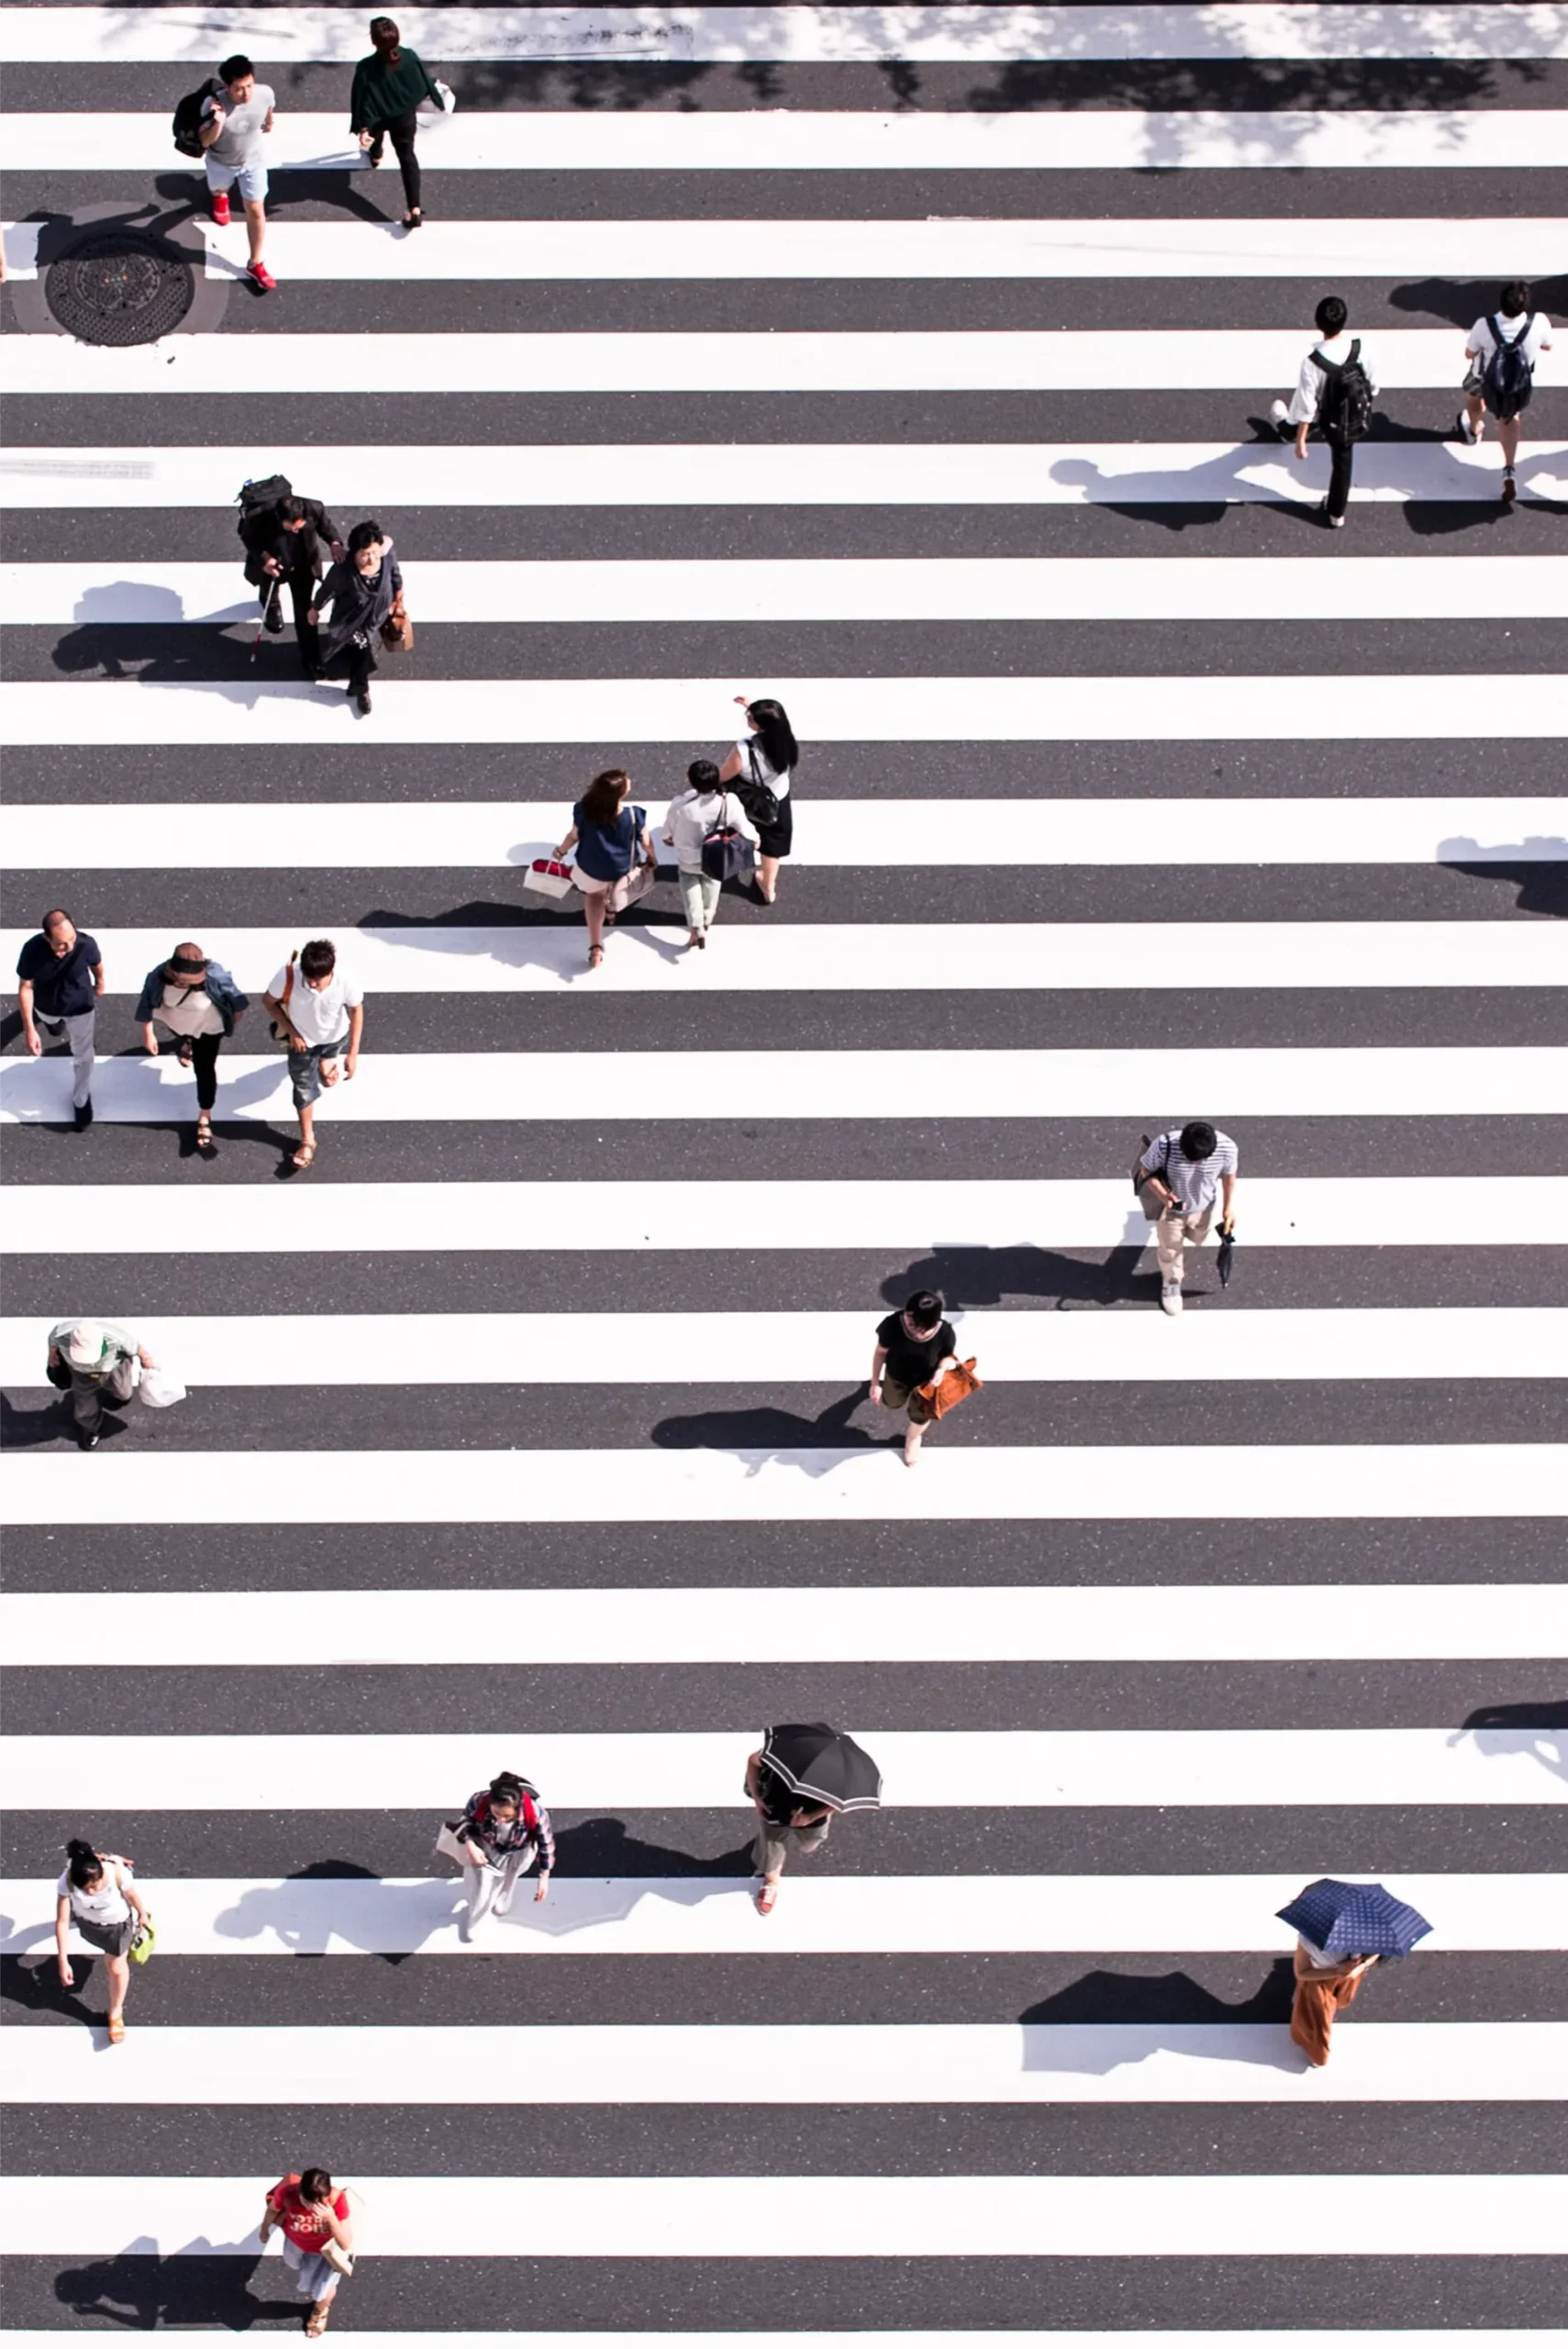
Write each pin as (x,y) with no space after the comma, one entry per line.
(1318,400)
(1500,355)
(321,1011)
(232,129)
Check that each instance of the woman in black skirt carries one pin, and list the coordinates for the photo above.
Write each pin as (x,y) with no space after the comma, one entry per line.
(761,764)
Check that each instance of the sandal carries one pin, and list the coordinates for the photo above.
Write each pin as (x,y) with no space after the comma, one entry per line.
(595,956)
(186,1051)
(204,1133)
(304,1155)
(767,1898)
(316,2324)
(117,2028)
(414,217)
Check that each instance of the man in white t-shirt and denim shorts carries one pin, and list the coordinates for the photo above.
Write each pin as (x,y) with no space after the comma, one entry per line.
(232,128)
(1528,331)
(320,1010)
(1181,1175)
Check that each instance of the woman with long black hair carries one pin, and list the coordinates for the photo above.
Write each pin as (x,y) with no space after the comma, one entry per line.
(388,86)
(760,766)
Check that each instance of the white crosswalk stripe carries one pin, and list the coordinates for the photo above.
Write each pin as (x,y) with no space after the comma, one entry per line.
(927,353)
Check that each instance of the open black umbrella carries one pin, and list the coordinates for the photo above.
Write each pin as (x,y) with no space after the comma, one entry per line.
(821,1765)
(1227,1251)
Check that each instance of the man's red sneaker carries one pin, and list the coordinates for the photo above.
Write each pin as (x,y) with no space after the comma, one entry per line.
(260,275)
(220,212)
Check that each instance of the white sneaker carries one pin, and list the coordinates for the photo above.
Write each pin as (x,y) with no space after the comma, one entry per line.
(1170,1296)
(1279,417)
(1467,431)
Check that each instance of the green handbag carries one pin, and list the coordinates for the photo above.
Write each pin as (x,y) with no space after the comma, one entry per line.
(145,1943)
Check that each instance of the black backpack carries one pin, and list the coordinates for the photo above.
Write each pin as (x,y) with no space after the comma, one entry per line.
(1344,411)
(185,127)
(1509,375)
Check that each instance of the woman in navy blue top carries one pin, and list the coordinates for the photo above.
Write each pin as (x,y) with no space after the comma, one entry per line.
(607,832)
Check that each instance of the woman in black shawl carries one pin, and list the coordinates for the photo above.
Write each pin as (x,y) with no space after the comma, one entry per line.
(363,592)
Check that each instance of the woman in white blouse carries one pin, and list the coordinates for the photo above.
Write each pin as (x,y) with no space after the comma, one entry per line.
(690,817)
(759,766)
(97,1897)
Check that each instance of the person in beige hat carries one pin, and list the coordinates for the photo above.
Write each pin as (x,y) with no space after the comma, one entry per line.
(97,1362)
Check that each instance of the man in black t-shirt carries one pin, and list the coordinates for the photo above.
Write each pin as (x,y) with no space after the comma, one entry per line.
(61,973)
(911,1347)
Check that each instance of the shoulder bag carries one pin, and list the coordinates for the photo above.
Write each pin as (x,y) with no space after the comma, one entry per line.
(726,854)
(281,1035)
(759,801)
(954,1386)
(634,884)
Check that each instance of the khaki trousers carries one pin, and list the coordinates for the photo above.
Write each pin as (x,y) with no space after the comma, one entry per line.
(1173,1230)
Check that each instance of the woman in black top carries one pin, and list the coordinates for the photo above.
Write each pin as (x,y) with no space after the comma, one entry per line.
(911,1347)
(764,760)
(388,86)
(363,592)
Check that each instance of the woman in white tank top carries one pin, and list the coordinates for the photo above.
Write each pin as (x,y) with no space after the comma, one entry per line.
(96,1897)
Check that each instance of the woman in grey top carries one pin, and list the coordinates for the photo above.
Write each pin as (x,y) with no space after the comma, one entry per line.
(363,594)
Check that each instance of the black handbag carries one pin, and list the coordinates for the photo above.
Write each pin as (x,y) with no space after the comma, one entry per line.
(726,854)
(762,805)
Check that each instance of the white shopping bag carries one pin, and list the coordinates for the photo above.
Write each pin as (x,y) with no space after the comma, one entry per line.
(446,97)
(159,1388)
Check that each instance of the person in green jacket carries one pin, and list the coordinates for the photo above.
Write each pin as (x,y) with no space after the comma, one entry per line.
(388,85)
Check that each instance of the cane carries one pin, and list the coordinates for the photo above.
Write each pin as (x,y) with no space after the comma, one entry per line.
(268,609)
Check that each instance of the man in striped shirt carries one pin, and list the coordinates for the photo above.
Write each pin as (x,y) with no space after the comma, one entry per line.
(1184,1172)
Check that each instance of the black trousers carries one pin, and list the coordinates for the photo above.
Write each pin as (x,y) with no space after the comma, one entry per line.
(1341,462)
(355,662)
(205,1051)
(301,584)
(401,130)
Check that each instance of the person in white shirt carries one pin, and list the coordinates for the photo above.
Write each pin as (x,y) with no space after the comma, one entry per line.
(699,811)
(1182,1173)
(1314,401)
(321,1011)
(1515,336)
(97,1898)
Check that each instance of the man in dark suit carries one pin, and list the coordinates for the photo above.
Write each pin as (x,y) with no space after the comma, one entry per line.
(292,542)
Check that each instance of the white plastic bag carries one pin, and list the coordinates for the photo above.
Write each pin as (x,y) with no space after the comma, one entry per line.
(159,1388)
(446,97)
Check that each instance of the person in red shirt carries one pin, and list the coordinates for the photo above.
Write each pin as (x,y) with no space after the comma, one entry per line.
(311,2213)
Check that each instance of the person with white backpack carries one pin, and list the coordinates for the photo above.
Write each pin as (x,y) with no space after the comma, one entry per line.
(1500,353)
(97,1898)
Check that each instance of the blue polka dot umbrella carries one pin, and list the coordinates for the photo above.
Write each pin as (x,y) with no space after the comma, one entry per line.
(1354,1919)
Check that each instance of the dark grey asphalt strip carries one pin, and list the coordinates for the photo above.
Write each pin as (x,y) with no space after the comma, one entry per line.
(1138,523)
(819,2295)
(649,419)
(209,1993)
(626,1699)
(846,303)
(735,1148)
(191,652)
(1069,1019)
(765,1418)
(1043,86)
(411,900)
(1374,1840)
(1154,190)
(463,1558)
(1021,1277)
(95,774)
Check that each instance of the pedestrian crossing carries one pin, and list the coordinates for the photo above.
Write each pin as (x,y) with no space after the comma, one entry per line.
(911,365)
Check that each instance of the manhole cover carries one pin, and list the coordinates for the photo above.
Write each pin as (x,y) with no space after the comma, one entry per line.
(119,288)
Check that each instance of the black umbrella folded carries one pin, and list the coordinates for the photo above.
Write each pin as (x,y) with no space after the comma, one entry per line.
(822,1765)
(1227,1251)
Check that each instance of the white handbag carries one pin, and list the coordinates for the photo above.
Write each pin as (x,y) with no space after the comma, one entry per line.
(446,97)
(547,878)
(448,1847)
(158,1389)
